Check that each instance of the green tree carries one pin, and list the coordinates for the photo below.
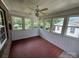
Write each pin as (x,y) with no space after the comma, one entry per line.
(56,20)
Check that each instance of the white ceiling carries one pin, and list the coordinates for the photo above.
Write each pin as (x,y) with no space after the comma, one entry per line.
(24,6)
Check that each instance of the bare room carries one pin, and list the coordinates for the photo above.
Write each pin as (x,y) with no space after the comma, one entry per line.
(39,28)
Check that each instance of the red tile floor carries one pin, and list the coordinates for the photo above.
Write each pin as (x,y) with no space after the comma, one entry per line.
(35,47)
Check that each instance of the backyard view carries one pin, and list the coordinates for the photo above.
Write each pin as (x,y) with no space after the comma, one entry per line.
(41,23)
(36,23)
(47,24)
(16,22)
(28,23)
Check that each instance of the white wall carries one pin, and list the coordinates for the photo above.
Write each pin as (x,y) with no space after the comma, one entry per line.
(68,44)
(20,34)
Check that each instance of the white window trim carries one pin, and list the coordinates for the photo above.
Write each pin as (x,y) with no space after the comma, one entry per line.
(66,25)
(53,25)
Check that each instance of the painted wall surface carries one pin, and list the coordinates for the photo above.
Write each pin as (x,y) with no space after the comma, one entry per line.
(68,44)
(20,34)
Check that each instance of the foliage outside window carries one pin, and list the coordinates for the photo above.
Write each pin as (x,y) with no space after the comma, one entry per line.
(41,23)
(16,22)
(28,23)
(36,23)
(57,24)
(73,27)
(47,24)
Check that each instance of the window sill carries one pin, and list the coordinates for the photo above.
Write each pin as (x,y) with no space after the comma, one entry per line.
(71,37)
(52,32)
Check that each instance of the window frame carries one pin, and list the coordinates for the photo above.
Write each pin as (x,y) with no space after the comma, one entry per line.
(64,27)
(68,26)
(3,35)
(51,27)
(21,24)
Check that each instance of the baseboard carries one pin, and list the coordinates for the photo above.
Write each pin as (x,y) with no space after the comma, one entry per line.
(26,38)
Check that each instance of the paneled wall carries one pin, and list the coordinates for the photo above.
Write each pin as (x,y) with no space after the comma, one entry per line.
(20,34)
(68,44)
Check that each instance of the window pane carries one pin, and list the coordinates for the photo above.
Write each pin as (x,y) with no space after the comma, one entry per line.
(41,23)
(28,23)
(57,25)
(47,24)
(16,22)
(73,27)
(36,23)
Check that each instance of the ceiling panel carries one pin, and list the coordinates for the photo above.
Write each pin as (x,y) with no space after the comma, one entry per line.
(53,6)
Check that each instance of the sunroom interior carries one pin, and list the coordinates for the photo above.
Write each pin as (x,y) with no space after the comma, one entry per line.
(41,29)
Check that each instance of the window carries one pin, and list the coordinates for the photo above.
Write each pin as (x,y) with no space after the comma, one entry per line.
(36,23)
(41,23)
(57,24)
(47,24)
(73,27)
(3,34)
(16,22)
(28,23)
